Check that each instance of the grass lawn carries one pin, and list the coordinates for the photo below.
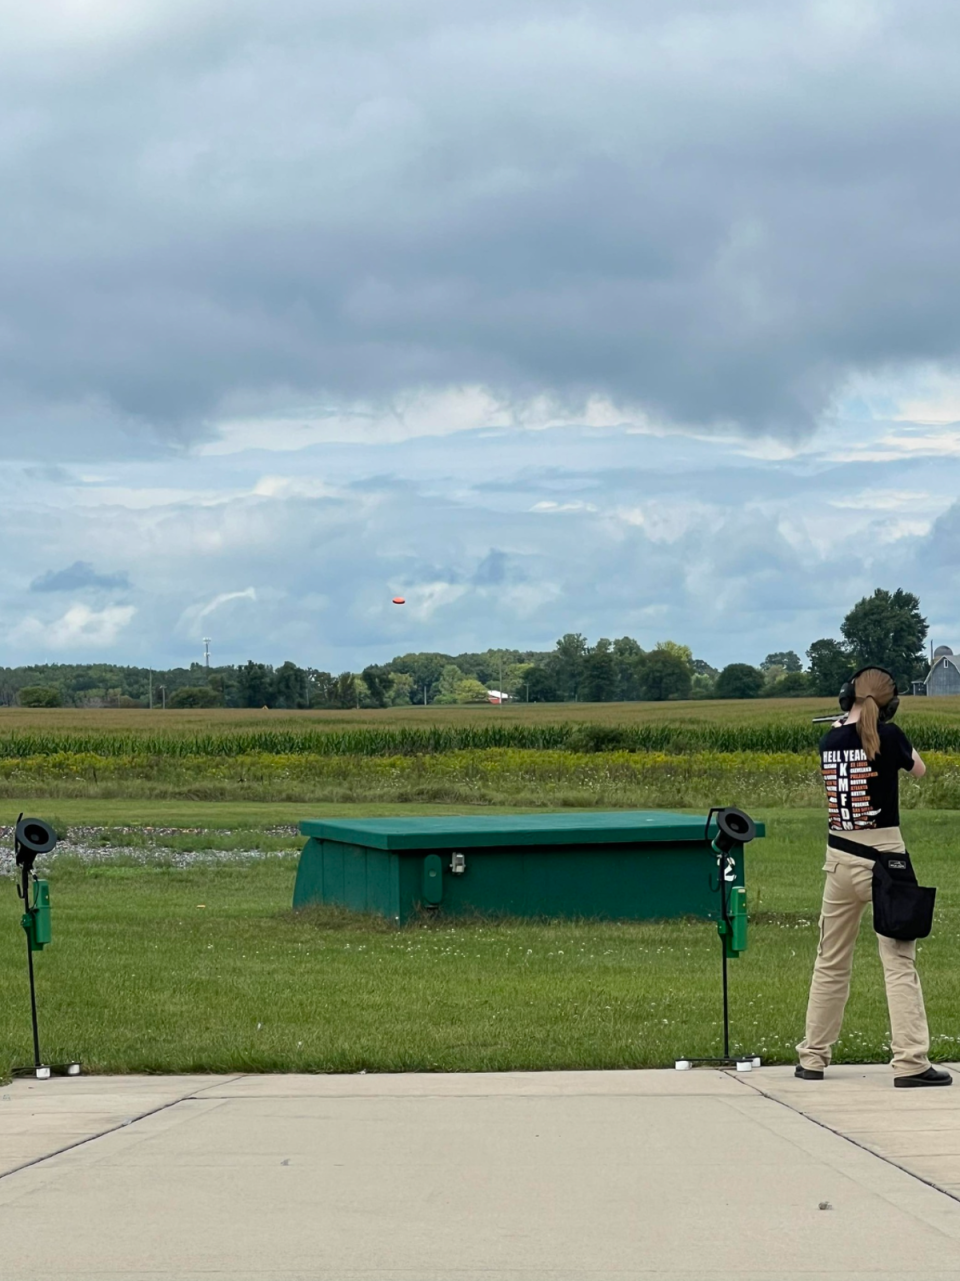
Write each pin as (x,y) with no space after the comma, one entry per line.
(160,969)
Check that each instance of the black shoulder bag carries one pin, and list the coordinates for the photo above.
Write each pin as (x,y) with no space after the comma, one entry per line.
(902,909)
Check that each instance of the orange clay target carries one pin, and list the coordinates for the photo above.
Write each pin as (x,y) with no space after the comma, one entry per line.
(399,600)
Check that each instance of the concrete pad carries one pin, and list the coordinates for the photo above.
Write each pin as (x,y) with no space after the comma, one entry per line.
(463,1084)
(904,1142)
(510,1177)
(857,1120)
(940,1170)
(38,1118)
(917,1130)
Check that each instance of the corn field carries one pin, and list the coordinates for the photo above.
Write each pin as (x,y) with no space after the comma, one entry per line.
(640,755)
(681,737)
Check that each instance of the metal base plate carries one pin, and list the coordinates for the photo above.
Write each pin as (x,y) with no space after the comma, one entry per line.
(46,1070)
(743,1063)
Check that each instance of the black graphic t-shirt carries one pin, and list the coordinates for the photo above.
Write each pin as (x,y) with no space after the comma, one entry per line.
(860,793)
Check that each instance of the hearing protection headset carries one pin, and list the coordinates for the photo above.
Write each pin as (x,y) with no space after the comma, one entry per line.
(847,696)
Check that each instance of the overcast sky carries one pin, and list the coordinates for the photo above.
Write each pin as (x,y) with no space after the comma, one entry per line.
(635,317)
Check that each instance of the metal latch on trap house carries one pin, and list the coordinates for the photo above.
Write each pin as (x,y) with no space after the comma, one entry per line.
(458,864)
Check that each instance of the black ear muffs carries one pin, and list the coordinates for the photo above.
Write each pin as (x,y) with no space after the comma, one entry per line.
(848,694)
(889,712)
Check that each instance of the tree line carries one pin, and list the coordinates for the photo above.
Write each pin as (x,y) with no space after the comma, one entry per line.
(885,628)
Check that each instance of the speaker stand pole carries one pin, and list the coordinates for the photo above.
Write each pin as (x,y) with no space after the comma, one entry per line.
(742,1062)
(33,1009)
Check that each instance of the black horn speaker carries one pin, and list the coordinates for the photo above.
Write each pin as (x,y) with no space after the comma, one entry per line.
(33,837)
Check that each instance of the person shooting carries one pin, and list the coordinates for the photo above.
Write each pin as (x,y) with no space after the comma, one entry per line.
(861,757)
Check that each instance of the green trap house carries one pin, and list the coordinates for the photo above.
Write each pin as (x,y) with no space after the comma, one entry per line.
(625,865)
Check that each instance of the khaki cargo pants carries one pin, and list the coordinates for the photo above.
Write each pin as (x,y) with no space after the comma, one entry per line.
(846,896)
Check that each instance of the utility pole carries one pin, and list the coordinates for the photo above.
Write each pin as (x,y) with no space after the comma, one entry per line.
(501,679)
(150,688)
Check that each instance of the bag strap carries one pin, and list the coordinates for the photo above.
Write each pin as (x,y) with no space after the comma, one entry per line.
(852,847)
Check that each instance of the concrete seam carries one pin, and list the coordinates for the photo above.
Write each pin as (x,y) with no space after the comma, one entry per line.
(202,1091)
(91,1138)
(846,1137)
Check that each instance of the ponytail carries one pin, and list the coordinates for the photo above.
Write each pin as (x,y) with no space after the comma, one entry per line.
(873,689)
(867,727)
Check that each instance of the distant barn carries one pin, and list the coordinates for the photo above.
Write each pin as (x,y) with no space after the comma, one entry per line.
(944,675)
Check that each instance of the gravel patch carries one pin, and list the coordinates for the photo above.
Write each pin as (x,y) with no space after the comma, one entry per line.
(93,847)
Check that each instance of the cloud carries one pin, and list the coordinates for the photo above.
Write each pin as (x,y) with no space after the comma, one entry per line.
(77,576)
(663,536)
(882,500)
(550,506)
(493,570)
(48,474)
(292,487)
(80,628)
(430,215)
(192,617)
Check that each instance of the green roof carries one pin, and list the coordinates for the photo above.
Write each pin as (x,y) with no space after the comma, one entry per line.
(476,830)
